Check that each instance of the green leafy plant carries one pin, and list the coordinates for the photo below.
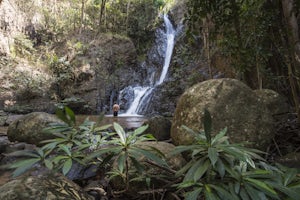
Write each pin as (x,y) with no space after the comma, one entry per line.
(72,144)
(220,170)
(126,151)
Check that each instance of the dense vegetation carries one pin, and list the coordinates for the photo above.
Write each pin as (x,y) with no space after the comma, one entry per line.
(260,40)
(215,168)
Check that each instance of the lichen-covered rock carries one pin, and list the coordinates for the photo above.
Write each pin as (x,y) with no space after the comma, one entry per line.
(45,186)
(231,104)
(159,127)
(29,128)
(275,102)
(3,117)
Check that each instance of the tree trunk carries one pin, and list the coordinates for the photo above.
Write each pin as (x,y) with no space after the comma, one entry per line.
(294,49)
(82,15)
(102,8)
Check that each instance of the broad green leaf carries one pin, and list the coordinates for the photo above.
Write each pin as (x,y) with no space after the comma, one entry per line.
(253,193)
(293,194)
(220,168)
(289,176)
(121,161)
(198,166)
(61,115)
(58,158)
(70,115)
(232,172)
(22,166)
(186,184)
(67,166)
(24,163)
(180,149)
(149,155)
(137,165)
(50,146)
(80,161)
(101,152)
(185,168)
(244,195)
(209,195)
(259,184)
(220,137)
(155,150)
(28,153)
(250,162)
(48,164)
(193,195)
(66,149)
(213,155)
(102,128)
(223,193)
(201,170)
(120,131)
(140,130)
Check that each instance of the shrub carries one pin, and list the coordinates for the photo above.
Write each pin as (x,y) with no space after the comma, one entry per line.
(125,150)
(220,170)
(72,144)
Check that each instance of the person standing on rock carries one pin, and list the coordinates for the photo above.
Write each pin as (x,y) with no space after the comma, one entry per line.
(116,109)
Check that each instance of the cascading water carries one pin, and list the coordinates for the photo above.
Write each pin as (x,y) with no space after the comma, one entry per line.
(142,93)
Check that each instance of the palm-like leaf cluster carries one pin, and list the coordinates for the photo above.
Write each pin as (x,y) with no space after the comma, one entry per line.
(126,151)
(71,144)
(220,170)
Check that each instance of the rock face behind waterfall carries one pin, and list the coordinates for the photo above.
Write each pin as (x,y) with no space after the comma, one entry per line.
(231,104)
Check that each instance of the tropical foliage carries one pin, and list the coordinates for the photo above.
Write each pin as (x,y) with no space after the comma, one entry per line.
(71,144)
(88,144)
(250,34)
(126,150)
(220,170)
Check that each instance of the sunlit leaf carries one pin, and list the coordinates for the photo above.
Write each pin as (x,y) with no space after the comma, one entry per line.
(67,166)
(70,115)
(120,131)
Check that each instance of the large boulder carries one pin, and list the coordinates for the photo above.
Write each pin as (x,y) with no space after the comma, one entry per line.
(276,103)
(231,104)
(44,186)
(29,128)
(159,127)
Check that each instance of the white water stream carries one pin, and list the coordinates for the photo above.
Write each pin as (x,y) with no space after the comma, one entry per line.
(141,93)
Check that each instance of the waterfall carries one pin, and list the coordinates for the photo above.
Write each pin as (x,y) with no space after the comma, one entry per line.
(142,93)
(170,46)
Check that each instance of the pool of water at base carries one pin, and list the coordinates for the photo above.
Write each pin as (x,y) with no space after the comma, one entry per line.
(126,121)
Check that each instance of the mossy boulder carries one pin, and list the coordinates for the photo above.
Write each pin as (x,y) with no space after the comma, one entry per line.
(159,127)
(29,128)
(44,186)
(276,103)
(231,104)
